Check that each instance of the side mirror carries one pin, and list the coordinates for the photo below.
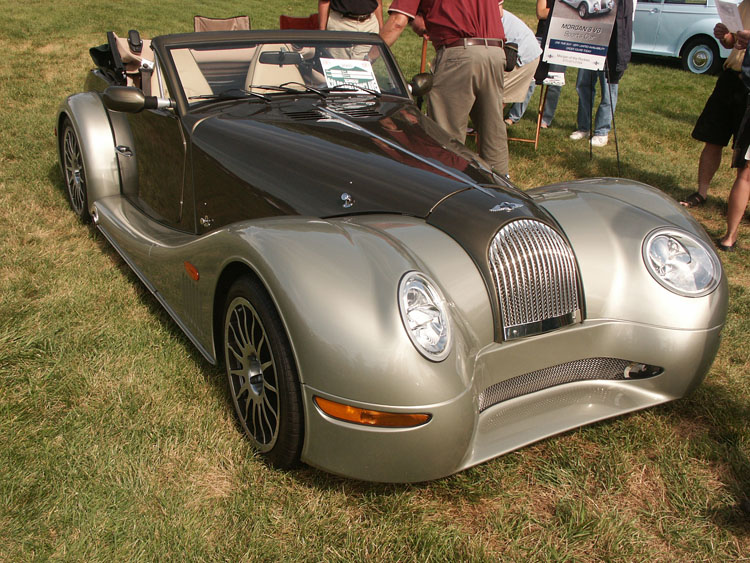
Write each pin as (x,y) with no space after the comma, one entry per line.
(132,100)
(421,84)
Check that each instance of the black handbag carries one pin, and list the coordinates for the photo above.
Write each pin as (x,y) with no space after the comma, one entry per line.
(511,56)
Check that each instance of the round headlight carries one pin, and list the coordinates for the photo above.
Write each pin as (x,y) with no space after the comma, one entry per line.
(682,263)
(425,316)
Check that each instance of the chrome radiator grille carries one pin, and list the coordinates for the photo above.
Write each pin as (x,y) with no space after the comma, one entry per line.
(535,277)
(610,369)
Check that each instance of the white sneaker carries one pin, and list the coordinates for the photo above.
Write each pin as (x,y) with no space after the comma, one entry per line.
(599,140)
(578,135)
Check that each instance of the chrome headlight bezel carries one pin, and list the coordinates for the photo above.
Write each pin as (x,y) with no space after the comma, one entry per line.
(690,268)
(413,289)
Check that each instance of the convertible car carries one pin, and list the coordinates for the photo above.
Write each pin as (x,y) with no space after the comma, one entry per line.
(387,307)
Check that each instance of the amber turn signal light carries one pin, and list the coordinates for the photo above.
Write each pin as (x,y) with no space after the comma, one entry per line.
(368,417)
(192,271)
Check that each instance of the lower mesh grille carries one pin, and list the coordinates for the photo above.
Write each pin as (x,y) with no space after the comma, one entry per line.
(610,369)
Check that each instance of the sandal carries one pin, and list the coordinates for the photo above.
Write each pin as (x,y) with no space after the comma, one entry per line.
(693,200)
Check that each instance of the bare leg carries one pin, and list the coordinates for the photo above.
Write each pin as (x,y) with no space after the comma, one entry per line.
(707,166)
(738,199)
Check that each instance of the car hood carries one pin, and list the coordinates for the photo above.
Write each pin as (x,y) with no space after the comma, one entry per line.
(325,158)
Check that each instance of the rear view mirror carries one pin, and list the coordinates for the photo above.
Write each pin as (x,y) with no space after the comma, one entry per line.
(421,84)
(280,58)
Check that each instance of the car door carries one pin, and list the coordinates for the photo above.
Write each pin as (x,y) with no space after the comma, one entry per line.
(677,17)
(162,188)
(646,25)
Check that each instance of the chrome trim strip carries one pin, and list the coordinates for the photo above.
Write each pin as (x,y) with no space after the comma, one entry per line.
(448,171)
(540,327)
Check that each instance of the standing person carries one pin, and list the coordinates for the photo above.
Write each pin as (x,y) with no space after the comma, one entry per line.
(723,111)
(468,39)
(618,57)
(351,15)
(516,81)
(543,14)
(740,193)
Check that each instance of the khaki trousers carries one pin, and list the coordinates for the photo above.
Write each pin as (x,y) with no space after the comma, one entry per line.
(337,22)
(469,83)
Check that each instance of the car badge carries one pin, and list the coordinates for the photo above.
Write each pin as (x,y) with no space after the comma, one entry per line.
(505,206)
(347,199)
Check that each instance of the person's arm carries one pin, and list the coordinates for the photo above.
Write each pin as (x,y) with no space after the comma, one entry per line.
(742,38)
(419,27)
(379,14)
(323,8)
(393,28)
(542,11)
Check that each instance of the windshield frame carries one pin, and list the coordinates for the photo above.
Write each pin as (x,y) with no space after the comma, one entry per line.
(233,40)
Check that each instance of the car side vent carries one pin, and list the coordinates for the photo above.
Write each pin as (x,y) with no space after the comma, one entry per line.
(536,279)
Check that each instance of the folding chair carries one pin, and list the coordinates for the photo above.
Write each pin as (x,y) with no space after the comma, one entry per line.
(542,100)
(202,23)
(292,22)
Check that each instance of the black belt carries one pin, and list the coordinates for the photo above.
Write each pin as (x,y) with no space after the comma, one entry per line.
(356,17)
(469,41)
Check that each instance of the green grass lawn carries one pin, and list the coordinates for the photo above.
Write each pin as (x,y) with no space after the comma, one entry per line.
(117,441)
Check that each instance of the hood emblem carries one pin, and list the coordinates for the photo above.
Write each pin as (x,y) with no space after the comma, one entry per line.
(505,206)
(347,200)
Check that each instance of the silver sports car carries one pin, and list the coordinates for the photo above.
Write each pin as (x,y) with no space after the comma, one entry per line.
(386,306)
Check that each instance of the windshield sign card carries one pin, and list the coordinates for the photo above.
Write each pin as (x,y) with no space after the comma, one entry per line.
(339,72)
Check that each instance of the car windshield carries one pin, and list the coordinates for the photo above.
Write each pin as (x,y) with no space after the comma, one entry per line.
(260,71)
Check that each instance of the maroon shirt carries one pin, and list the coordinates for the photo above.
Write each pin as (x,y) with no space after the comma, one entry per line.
(448,21)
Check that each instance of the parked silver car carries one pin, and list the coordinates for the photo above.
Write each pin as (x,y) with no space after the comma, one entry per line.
(386,307)
(587,8)
(679,28)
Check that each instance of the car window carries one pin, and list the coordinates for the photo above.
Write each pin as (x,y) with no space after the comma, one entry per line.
(691,2)
(264,70)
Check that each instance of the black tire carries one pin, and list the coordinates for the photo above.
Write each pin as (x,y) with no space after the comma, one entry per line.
(262,374)
(74,171)
(700,55)
(583,10)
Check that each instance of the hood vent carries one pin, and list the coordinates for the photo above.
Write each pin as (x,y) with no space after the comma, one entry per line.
(356,110)
(305,115)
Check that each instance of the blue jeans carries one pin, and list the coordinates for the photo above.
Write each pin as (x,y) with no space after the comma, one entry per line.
(550,105)
(586,88)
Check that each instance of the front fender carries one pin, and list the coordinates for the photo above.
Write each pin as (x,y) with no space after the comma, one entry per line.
(335,286)
(607,221)
(92,126)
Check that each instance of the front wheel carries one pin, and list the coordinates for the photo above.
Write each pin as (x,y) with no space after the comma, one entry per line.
(701,56)
(74,170)
(583,10)
(261,374)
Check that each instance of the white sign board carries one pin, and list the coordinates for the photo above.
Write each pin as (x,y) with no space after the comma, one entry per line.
(579,36)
